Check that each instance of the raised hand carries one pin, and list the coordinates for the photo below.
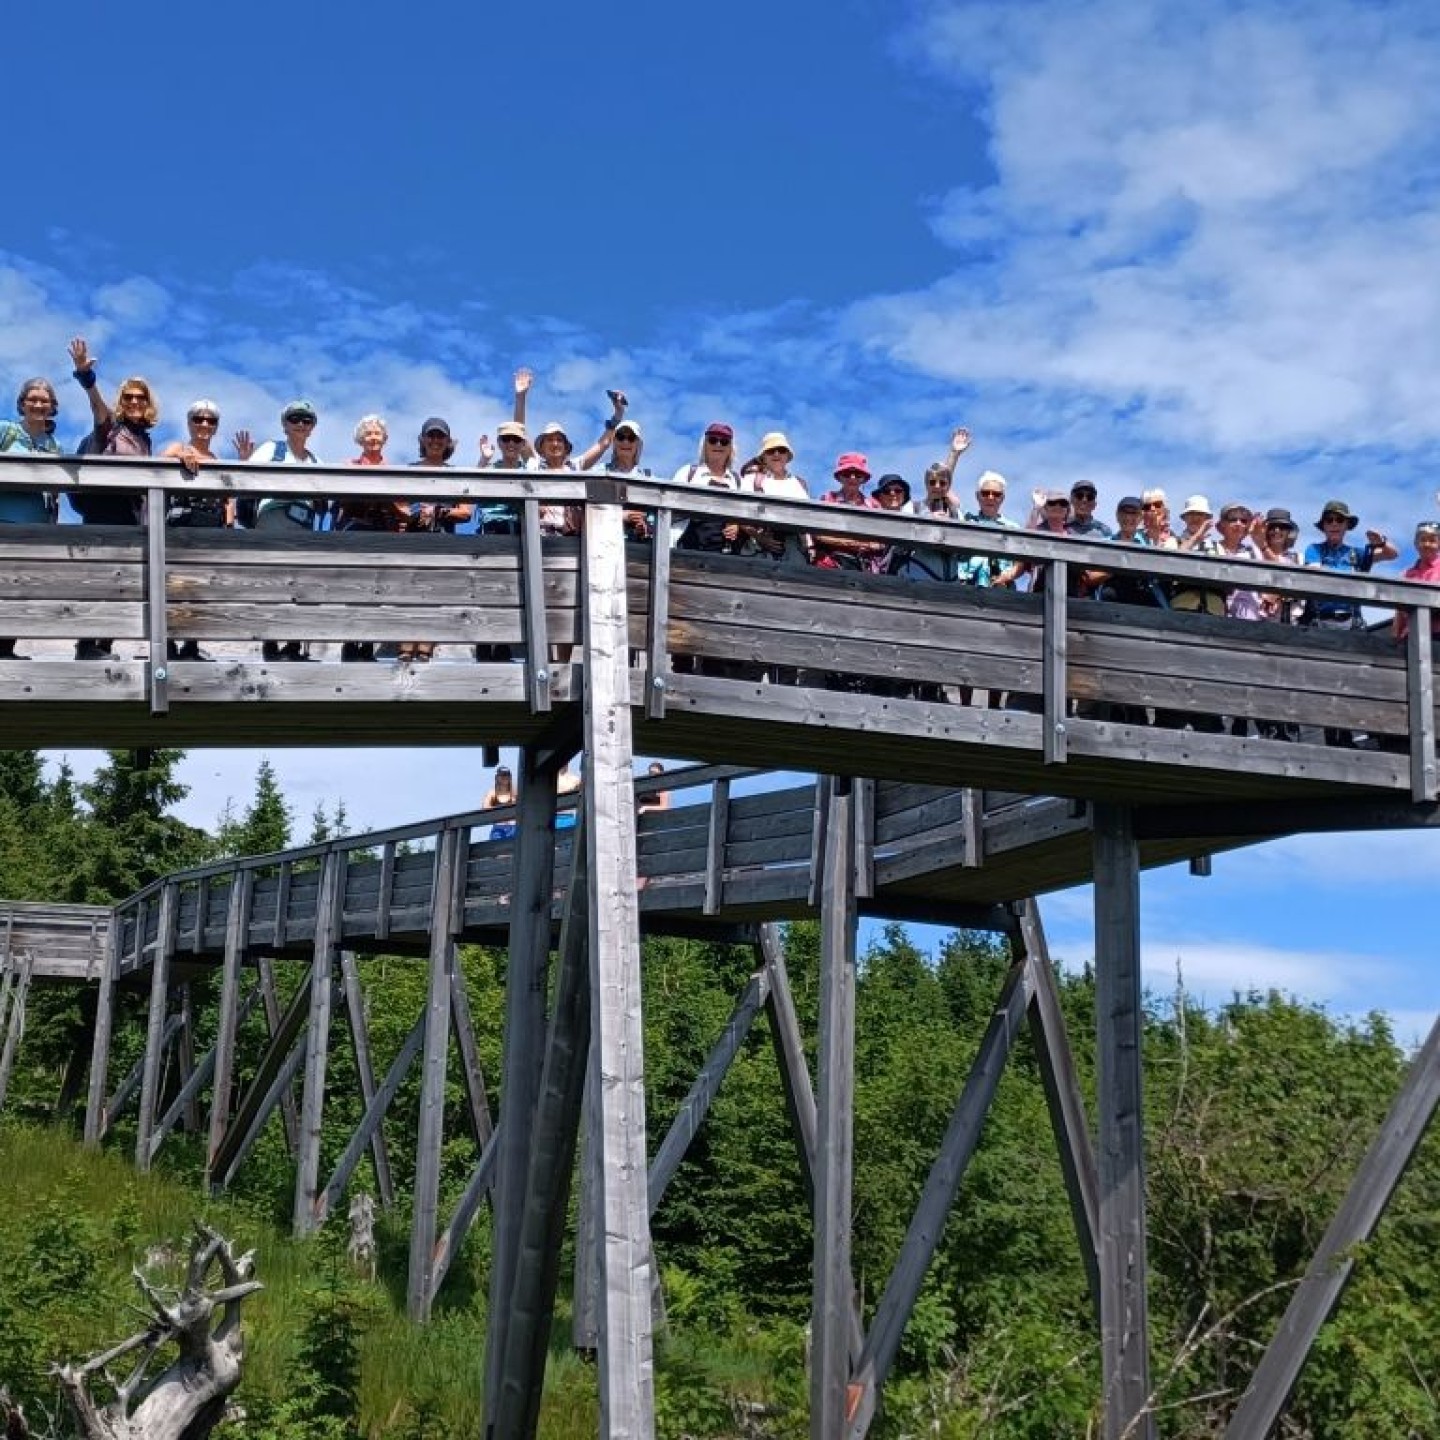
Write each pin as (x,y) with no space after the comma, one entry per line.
(524,379)
(80,354)
(244,445)
(487,449)
(960,440)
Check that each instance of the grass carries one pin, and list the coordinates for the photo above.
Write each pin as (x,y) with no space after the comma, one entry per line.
(420,1381)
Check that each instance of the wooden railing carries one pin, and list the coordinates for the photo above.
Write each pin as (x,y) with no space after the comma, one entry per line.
(726,857)
(710,633)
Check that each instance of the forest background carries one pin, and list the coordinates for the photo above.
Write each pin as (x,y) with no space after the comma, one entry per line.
(1258,1111)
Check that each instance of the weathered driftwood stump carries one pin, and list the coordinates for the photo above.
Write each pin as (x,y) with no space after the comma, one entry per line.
(186,1399)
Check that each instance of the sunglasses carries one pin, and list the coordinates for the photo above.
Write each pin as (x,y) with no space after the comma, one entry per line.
(510,440)
(1084,494)
(942,485)
(204,419)
(436,435)
(716,440)
(1333,520)
(1153,505)
(777,450)
(851,475)
(629,435)
(1057,504)
(983,494)
(299,419)
(131,396)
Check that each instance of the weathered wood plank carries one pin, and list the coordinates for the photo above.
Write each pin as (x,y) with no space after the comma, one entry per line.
(155,1026)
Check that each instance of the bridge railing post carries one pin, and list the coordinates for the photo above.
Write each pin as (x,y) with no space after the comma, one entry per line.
(1420,693)
(156,633)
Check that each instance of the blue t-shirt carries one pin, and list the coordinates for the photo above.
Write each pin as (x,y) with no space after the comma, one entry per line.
(24,507)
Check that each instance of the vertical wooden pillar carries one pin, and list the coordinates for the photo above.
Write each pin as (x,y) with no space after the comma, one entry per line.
(523,1052)
(317,1042)
(155,1021)
(237,919)
(627,1382)
(833,1287)
(13,1021)
(432,1078)
(1124,1309)
(100,1046)
(555,1129)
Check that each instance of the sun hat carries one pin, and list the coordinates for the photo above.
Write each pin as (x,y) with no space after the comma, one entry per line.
(1340,508)
(633,426)
(853,460)
(719,427)
(510,429)
(892,481)
(1232,507)
(1056,497)
(1278,515)
(203,407)
(436,423)
(775,440)
(302,408)
(1196,505)
(556,428)
(1129,502)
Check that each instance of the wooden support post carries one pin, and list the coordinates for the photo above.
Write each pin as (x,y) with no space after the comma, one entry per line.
(447,1246)
(515,1404)
(370,1121)
(1054,641)
(282,906)
(237,924)
(863,812)
(972,834)
(185,1050)
(585,1284)
(155,1022)
(789,1046)
(1420,691)
(1124,1306)
(431,1137)
(657,623)
(523,1049)
(472,1074)
(265,968)
(129,1086)
(317,1042)
(627,1382)
(104,1026)
(927,1224)
(158,668)
(199,1077)
(1385,1161)
(1062,1093)
(15,1022)
(833,1285)
(272,1080)
(365,1071)
(696,1104)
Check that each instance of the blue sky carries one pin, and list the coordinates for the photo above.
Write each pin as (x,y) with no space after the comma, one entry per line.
(1176,243)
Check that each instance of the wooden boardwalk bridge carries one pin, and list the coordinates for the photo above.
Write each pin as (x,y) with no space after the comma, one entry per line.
(925,808)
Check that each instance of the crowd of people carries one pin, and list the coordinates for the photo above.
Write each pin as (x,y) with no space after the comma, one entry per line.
(1234,531)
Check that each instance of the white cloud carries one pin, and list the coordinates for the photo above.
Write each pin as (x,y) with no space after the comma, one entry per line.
(1213,225)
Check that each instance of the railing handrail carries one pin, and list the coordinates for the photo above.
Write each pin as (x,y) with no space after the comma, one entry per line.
(65,473)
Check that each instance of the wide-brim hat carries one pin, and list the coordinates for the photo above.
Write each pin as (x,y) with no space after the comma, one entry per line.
(631,425)
(302,408)
(1278,515)
(1196,505)
(556,428)
(853,460)
(775,440)
(1340,508)
(892,481)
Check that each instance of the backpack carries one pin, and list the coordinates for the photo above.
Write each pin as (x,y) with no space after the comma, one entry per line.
(704,532)
(103,507)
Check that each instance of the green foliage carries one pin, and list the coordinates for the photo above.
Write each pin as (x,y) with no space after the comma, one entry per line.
(266,825)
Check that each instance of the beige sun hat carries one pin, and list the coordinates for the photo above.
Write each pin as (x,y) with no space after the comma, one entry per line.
(775,440)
